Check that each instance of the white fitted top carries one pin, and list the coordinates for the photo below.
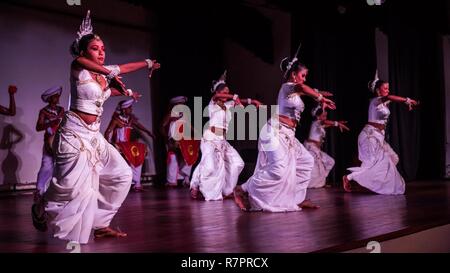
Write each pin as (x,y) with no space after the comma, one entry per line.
(86,94)
(289,102)
(218,117)
(379,111)
(317,131)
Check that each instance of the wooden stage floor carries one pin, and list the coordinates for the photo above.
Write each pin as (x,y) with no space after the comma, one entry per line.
(167,220)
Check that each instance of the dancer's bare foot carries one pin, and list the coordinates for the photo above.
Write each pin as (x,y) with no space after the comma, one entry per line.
(307,204)
(108,232)
(346,184)
(241,198)
(186,182)
(196,194)
(138,188)
(171,185)
(39,217)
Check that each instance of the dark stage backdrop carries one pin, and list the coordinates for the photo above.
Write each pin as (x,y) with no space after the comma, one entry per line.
(416,70)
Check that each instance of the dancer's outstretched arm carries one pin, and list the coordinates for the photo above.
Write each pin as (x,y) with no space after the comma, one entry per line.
(303,89)
(234,97)
(117,86)
(249,101)
(410,102)
(341,124)
(124,68)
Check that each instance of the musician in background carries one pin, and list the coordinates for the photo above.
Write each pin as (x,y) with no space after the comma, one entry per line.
(48,121)
(120,133)
(181,153)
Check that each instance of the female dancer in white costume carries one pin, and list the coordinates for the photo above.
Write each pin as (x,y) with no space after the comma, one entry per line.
(378,172)
(323,163)
(283,168)
(218,171)
(91,178)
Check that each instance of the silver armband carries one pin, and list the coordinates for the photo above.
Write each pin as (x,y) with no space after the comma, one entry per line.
(115,71)
(319,98)
(149,63)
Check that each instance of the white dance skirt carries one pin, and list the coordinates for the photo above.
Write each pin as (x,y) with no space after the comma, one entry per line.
(323,163)
(91,180)
(218,171)
(282,173)
(378,171)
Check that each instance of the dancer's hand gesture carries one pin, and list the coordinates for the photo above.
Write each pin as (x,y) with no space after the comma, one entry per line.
(327,103)
(342,126)
(136,95)
(257,103)
(412,104)
(326,93)
(154,67)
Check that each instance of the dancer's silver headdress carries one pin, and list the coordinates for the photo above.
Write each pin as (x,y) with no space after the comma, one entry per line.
(373,83)
(85,29)
(291,62)
(222,80)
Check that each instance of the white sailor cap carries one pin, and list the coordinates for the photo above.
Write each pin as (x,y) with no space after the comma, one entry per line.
(124,104)
(50,92)
(178,100)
